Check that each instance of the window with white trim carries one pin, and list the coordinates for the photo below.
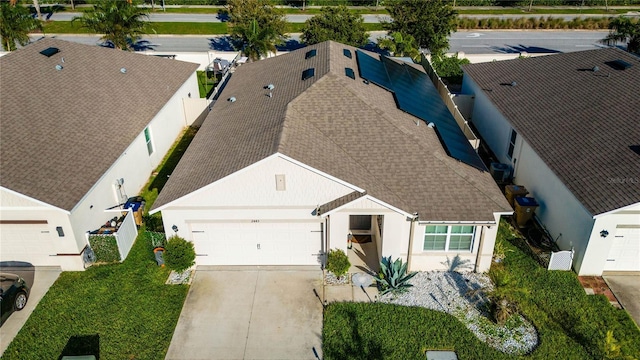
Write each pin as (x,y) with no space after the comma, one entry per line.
(448,238)
(512,143)
(147,138)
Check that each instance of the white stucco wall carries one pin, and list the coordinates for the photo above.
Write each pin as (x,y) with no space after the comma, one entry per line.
(251,194)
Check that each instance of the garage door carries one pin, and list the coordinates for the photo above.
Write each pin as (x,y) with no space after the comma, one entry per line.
(27,242)
(257,243)
(625,250)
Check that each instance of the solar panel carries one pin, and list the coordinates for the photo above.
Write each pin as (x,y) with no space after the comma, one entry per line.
(310,54)
(349,72)
(50,51)
(347,53)
(415,94)
(308,73)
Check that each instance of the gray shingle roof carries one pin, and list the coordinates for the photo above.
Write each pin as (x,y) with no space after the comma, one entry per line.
(60,130)
(343,127)
(583,124)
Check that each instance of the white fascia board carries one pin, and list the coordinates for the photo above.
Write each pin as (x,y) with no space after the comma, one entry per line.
(615,211)
(30,199)
(205,188)
(451,222)
(368,197)
(314,170)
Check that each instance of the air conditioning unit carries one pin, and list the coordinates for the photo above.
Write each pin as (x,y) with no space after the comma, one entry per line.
(500,172)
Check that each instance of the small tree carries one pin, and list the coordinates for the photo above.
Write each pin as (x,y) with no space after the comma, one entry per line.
(624,29)
(400,45)
(15,24)
(179,254)
(430,22)
(256,26)
(338,262)
(121,22)
(449,67)
(335,23)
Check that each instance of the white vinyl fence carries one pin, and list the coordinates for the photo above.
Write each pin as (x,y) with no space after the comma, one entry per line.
(561,260)
(126,235)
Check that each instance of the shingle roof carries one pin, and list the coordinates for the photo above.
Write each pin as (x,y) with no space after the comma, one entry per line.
(343,127)
(585,125)
(60,130)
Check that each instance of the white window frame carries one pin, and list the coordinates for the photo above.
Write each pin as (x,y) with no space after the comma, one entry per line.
(513,137)
(149,142)
(448,238)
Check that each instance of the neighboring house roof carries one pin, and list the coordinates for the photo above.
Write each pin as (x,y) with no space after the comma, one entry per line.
(61,130)
(344,127)
(584,124)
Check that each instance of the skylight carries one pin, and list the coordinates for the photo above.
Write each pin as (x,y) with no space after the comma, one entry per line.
(308,73)
(310,54)
(50,51)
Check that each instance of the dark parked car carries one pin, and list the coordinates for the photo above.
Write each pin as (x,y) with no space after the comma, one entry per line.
(14,293)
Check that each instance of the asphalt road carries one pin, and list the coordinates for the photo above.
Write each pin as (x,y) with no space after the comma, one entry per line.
(469,42)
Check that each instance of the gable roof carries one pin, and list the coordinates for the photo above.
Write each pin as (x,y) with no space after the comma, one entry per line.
(61,130)
(344,127)
(584,124)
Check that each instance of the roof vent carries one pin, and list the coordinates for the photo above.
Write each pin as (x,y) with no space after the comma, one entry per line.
(431,125)
(50,51)
(310,54)
(308,73)
(349,72)
(619,64)
(123,70)
(231,99)
(347,53)
(595,68)
(58,67)
(513,83)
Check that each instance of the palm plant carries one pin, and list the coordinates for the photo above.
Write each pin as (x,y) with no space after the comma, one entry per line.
(400,45)
(15,24)
(393,276)
(624,29)
(256,42)
(121,22)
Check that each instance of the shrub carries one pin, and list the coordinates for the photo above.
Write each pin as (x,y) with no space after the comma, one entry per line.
(156,239)
(449,67)
(105,247)
(338,262)
(393,276)
(179,254)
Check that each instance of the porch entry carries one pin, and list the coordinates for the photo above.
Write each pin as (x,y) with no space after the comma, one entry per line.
(365,235)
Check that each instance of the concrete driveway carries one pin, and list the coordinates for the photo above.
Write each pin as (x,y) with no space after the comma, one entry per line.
(39,279)
(250,313)
(626,288)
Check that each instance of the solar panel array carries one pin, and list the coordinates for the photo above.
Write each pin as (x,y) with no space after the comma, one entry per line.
(415,94)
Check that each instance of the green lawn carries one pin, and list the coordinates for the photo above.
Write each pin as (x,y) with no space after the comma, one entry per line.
(124,309)
(571,325)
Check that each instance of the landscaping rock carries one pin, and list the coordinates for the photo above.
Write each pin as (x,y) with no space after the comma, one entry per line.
(461,295)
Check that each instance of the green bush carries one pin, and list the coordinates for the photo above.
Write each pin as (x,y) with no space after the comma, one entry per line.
(179,254)
(449,67)
(105,247)
(338,262)
(157,240)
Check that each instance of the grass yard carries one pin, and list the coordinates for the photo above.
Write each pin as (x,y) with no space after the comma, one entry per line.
(125,310)
(571,325)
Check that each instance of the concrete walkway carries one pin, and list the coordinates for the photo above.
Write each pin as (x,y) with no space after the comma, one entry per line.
(627,290)
(39,279)
(250,313)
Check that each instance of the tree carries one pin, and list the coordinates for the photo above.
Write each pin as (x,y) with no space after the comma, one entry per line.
(429,21)
(15,24)
(400,45)
(121,22)
(256,26)
(623,29)
(335,23)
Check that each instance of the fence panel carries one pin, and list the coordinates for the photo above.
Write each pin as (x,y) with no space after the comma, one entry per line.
(126,235)
(561,260)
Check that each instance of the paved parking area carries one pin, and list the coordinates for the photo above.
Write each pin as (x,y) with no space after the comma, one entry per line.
(39,280)
(627,290)
(250,313)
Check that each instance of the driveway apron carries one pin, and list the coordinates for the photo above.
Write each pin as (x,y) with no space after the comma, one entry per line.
(626,288)
(250,313)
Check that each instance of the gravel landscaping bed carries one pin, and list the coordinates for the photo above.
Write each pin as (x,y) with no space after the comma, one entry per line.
(331,279)
(449,292)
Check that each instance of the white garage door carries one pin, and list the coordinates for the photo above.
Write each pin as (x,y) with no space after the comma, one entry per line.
(261,243)
(27,242)
(625,250)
